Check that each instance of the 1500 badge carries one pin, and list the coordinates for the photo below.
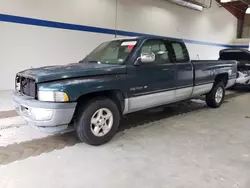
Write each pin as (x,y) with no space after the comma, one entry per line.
(138,88)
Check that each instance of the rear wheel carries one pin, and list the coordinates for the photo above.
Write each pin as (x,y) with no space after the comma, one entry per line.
(216,96)
(97,122)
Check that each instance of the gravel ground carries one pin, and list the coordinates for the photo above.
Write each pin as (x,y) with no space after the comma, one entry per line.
(188,145)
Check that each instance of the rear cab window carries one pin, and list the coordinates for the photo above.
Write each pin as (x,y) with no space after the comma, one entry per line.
(180,52)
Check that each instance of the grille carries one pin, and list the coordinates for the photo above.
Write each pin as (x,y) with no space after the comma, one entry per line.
(26,86)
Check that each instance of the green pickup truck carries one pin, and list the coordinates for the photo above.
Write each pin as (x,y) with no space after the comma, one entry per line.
(120,76)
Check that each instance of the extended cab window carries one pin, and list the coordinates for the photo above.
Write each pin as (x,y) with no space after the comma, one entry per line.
(112,52)
(159,48)
(181,53)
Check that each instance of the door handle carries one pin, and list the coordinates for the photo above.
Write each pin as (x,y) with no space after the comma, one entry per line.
(188,68)
(166,69)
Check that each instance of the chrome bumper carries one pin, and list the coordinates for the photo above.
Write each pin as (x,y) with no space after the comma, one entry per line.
(230,83)
(45,116)
(243,78)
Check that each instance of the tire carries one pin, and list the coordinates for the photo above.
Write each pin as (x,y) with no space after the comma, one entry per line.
(211,98)
(90,133)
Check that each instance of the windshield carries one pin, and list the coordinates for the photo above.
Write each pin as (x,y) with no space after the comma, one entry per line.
(112,52)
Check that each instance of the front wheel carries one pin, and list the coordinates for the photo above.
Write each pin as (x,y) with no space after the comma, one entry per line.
(216,96)
(97,122)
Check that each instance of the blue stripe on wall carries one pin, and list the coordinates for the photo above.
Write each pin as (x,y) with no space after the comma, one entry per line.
(76,27)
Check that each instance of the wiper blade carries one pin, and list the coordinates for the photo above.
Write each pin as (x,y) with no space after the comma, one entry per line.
(89,61)
(93,61)
(82,61)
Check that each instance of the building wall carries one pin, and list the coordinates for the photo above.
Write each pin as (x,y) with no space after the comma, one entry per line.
(26,43)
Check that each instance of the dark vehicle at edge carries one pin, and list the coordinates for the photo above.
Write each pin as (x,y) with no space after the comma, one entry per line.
(242,56)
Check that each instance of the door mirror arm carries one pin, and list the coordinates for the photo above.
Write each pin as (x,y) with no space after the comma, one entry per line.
(137,61)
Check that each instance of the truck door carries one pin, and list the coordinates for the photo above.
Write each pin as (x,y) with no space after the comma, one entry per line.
(184,71)
(154,82)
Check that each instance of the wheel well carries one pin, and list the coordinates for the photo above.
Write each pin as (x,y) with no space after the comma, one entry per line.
(115,95)
(222,78)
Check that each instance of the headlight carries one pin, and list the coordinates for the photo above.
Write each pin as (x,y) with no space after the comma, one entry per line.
(52,96)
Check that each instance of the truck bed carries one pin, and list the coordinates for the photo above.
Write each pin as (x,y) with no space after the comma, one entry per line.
(206,70)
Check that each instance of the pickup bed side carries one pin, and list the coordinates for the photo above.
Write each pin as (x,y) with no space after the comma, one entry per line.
(207,71)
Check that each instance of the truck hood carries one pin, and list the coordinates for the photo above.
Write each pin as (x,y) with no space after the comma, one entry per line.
(51,73)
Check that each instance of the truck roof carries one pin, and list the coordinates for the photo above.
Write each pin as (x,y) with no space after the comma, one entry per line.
(148,37)
(237,54)
(234,50)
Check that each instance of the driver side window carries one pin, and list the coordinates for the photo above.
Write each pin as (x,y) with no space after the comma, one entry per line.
(157,47)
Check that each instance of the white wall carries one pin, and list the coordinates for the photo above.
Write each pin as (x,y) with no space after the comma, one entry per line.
(24,46)
(162,18)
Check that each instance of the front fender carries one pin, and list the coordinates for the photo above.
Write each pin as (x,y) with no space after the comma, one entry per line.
(77,87)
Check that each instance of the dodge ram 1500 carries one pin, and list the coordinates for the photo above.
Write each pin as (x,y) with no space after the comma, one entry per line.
(120,76)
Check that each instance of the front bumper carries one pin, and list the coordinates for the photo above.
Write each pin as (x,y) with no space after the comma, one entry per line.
(230,83)
(243,78)
(47,117)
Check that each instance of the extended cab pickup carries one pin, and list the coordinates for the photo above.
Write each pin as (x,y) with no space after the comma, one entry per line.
(119,77)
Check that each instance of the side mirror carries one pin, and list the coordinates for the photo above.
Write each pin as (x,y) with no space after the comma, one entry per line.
(145,58)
